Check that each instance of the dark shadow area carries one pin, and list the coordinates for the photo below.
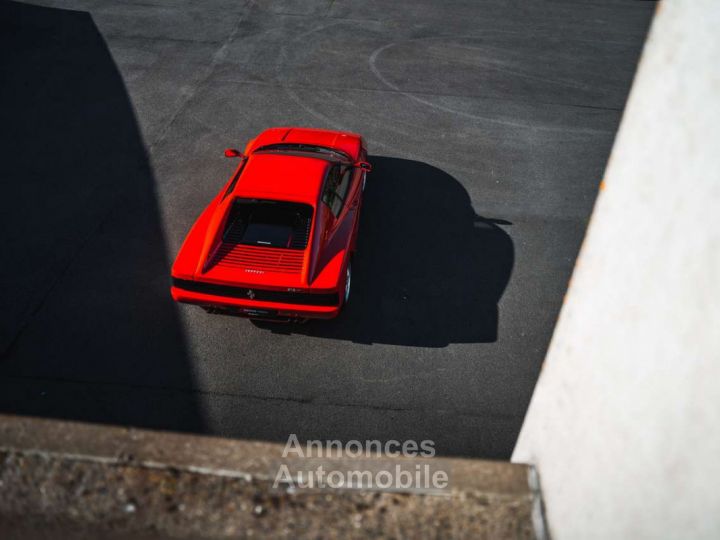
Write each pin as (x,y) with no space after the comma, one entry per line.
(428,271)
(88,329)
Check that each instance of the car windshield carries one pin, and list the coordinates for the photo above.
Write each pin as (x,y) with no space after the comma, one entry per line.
(293,147)
(269,224)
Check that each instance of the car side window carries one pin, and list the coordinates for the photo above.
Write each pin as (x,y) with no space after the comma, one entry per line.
(336,188)
(331,181)
(344,185)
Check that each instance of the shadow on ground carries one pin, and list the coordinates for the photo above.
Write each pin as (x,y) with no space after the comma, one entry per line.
(428,272)
(86,312)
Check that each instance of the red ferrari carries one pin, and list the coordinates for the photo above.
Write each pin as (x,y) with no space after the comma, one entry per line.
(277,242)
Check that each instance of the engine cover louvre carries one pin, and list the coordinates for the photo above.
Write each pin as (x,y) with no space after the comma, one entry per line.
(288,261)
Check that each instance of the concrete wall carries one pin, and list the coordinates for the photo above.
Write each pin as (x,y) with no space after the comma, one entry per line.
(624,425)
(76,481)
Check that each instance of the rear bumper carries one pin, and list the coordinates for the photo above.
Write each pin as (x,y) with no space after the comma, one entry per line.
(232,301)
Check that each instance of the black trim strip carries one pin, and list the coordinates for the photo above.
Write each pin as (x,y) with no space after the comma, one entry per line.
(286,297)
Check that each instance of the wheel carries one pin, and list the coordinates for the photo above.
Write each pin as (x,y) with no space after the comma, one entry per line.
(348,279)
(364,181)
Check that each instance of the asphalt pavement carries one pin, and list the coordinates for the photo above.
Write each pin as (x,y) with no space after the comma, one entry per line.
(489,124)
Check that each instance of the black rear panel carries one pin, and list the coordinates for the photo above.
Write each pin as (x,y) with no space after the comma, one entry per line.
(286,297)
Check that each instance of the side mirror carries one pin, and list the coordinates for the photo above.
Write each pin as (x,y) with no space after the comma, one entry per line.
(231,152)
(364,165)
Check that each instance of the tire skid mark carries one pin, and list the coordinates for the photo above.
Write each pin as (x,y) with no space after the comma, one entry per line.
(509,123)
(282,58)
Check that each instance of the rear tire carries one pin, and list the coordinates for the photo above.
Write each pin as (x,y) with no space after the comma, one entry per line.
(348,282)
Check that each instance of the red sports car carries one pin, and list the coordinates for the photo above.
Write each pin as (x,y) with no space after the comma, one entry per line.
(277,241)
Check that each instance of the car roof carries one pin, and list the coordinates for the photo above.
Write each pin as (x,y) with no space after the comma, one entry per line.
(286,177)
(344,141)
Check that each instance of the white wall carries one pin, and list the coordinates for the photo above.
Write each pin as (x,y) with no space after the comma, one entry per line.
(624,425)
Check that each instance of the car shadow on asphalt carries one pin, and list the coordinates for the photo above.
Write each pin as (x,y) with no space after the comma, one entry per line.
(428,270)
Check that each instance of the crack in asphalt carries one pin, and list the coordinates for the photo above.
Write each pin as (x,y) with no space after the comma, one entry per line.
(217,57)
(59,276)
(301,400)
(325,87)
